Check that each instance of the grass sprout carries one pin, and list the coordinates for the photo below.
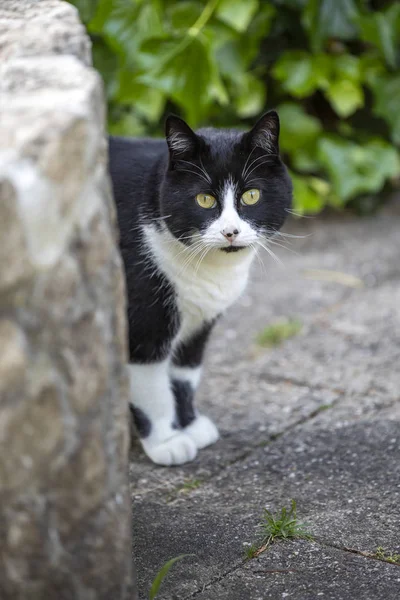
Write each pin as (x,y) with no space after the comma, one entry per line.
(282,526)
(162,573)
(387,556)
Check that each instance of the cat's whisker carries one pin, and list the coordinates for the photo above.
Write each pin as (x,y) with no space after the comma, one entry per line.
(190,237)
(256,166)
(275,243)
(260,261)
(202,257)
(263,157)
(195,251)
(297,214)
(189,249)
(202,170)
(266,158)
(289,235)
(190,261)
(251,164)
(271,253)
(271,236)
(160,218)
(245,164)
(195,173)
(256,181)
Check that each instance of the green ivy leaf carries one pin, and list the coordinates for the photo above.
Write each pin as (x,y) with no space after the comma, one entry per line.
(127,124)
(217,89)
(183,15)
(231,62)
(106,62)
(237,13)
(372,67)
(347,66)
(259,29)
(86,8)
(174,73)
(356,169)
(250,96)
(387,99)
(148,101)
(382,29)
(306,198)
(330,19)
(125,24)
(301,73)
(345,97)
(104,9)
(299,130)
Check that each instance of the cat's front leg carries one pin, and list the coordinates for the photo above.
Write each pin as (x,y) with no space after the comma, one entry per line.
(185,371)
(153,408)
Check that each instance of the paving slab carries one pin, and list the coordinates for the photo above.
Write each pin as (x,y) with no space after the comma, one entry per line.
(307,571)
(316,419)
(346,482)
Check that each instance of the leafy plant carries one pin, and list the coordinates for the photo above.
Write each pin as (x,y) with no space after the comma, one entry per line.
(390,557)
(330,67)
(283,526)
(275,334)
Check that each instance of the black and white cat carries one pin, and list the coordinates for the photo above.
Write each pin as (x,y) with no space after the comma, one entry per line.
(192,212)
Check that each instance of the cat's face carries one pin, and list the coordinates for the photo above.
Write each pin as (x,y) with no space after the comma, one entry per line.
(224,189)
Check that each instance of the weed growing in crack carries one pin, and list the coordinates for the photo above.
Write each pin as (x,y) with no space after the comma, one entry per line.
(278,332)
(251,551)
(390,557)
(187,486)
(190,484)
(283,526)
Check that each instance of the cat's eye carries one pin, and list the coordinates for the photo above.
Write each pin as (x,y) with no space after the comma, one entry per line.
(206,200)
(250,197)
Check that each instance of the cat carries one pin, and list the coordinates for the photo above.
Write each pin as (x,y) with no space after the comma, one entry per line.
(192,211)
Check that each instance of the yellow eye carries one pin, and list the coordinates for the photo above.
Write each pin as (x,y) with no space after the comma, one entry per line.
(250,197)
(206,200)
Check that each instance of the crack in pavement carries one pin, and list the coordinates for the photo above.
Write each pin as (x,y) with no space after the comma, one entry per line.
(317,541)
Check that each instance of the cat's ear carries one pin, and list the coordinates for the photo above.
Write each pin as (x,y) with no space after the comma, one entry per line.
(265,133)
(182,141)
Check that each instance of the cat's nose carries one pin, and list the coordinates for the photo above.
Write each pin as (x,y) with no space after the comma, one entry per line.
(230,233)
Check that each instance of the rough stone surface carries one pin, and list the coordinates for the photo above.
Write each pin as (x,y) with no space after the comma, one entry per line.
(65,524)
(316,419)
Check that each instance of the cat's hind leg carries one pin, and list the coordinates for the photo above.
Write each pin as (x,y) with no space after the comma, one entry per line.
(154,414)
(185,372)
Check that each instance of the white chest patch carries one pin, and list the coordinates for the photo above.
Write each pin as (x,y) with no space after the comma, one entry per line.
(204,289)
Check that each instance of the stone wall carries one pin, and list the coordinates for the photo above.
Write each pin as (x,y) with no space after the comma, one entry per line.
(64,508)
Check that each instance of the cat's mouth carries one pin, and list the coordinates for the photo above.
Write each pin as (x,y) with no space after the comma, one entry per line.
(233,248)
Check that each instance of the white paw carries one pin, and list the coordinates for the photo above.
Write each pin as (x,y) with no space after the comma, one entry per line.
(202,431)
(177,450)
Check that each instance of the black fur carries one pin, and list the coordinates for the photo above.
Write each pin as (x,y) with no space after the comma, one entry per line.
(142,422)
(183,393)
(190,353)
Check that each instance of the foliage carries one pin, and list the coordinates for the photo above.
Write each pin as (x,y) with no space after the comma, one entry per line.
(277,332)
(283,526)
(390,557)
(330,67)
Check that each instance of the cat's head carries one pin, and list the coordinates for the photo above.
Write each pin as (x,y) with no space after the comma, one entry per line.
(225,189)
